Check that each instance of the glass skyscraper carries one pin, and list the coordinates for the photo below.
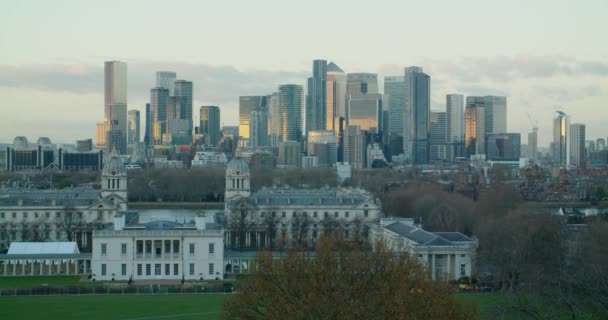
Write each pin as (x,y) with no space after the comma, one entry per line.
(159,102)
(166,79)
(115,85)
(455,125)
(474,130)
(577,145)
(182,100)
(134,124)
(210,124)
(394,101)
(503,146)
(417,118)
(290,111)
(336,96)
(495,112)
(316,108)
(561,138)
(247,105)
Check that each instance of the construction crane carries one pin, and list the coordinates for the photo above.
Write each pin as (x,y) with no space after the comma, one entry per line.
(534,123)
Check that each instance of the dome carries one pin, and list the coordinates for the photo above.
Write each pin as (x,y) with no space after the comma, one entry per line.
(44,140)
(20,142)
(237,166)
(114,166)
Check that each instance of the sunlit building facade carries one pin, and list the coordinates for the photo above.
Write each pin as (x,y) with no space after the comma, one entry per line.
(561,138)
(474,130)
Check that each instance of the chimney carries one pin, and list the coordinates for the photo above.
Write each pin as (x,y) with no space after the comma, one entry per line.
(119,221)
(200,221)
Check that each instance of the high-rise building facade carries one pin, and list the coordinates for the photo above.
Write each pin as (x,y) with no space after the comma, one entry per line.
(316,110)
(159,103)
(210,124)
(455,125)
(417,115)
(437,137)
(182,100)
(577,145)
(355,147)
(166,79)
(361,83)
(561,138)
(394,101)
(533,145)
(365,111)
(258,129)
(101,132)
(291,102)
(336,96)
(116,139)
(323,145)
(290,154)
(503,146)
(115,85)
(274,120)
(134,127)
(474,133)
(495,112)
(248,104)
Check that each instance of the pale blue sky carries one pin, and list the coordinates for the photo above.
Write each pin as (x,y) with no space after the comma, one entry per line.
(542,54)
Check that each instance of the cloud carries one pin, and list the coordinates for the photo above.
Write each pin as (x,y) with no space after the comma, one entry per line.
(562,94)
(212,84)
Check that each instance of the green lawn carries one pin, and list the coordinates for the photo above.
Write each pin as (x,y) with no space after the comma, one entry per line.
(15,282)
(184,307)
(484,302)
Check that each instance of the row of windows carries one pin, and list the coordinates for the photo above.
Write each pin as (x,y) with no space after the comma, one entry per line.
(314,214)
(35,214)
(158,269)
(148,244)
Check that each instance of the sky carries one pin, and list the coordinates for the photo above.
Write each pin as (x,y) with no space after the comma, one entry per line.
(544,55)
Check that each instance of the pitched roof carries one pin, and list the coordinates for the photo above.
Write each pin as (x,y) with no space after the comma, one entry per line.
(43,248)
(453,236)
(332,67)
(426,238)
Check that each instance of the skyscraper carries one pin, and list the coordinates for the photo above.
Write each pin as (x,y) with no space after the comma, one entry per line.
(533,145)
(361,83)
(182,98)
(316,110)
(365,111)
(258,128)
(417,115)
(323,145)
(336,96)
(149,125)
(159,102)
(561,138)
(290,111)
(101,132)
(495,112)
(437,136)
(116,139)
(455,125)
(248,104)
(134,125)
(355,147)
(577,145)
(210,124)
(503,146)
(274,125)
(394,101)
(115,85)
(166,79)
(474,124)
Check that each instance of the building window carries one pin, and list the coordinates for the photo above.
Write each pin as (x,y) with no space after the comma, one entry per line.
(117,183)
(2,215)
(123,269)
(212,248)
(325,214)
(346,214)
(463,269)
(314,214)
(284,214)
(148,247)
(366,213)
(191,248)
(36,215)
(103,269)
(140,247)
(14,215)
(157,269)
(336,214)
(175,246)
(176,269)
(148,269)
(167,246)
(57,214)
(25,215)
(123,249)
(139,269)
(104,249)
(167,269)
(211,271)
(192,269)
(47,215)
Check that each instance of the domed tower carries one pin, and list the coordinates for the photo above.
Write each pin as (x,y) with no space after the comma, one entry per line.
(238,179)
(114,179)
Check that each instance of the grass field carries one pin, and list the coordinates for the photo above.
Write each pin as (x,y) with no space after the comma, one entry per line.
(16,282)
(186,307)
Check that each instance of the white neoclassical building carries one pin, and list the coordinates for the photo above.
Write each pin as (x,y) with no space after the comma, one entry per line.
(286,214)
(63,214)
(446,255)
(159,250)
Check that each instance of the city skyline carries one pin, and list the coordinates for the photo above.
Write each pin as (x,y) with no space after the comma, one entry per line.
(566,71)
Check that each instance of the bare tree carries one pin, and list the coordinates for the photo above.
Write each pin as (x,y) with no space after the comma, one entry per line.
(269,224)
(300,224)
(70,222)
(331,227)
(360,231)
(241,220)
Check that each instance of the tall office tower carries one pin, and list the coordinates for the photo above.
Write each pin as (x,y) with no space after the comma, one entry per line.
(323,145)
(495,112)
(361,83)
(115,85)
(600,144)
(316,109)
(183,100)
(474,130)
(210,124)
(166,79)
(258,129)
(336,96)
(455,125)
(101,132)
(533,145)
(248,104)
(394,101)
(589,147)
(561,138)
(437,136)
(159,103)
(355,147)
(149,125)
(290,111)
(118,126)
(134,124)
(274,126)
(577,145)
(365,111)
(290,154)
(503,146)
(417,115)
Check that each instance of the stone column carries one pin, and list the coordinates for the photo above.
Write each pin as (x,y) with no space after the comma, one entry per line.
(433,267)
(449,266)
